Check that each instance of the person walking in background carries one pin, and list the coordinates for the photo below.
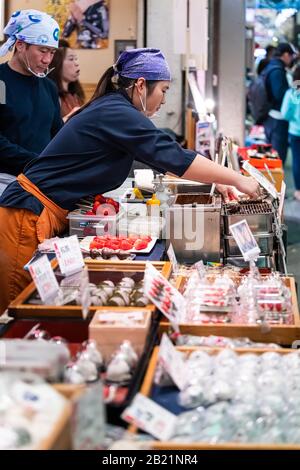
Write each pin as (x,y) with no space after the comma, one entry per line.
(263,62)
(276,127)
(290,111)
(66,76)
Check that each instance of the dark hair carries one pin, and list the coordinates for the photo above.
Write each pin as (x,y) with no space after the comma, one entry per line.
(270,50)
(296,73)
(111,82)
(282,48)
(74,88)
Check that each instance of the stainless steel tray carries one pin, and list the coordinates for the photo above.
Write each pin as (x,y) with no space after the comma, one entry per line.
(259,215)
(265,242)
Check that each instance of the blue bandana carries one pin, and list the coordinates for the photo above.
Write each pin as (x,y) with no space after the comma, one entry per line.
(147,63)
(31,26)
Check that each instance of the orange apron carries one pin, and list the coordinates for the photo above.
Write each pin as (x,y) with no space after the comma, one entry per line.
(20,233)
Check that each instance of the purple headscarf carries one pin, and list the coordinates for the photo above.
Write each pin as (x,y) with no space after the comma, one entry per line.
(148,63)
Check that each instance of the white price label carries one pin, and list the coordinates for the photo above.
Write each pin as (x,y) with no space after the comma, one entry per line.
(245,240)
(44,278)
(163,295)
(173,362)
(69,255)
(172,257)
(150,417)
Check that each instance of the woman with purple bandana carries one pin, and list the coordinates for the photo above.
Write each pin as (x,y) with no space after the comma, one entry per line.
(93,153)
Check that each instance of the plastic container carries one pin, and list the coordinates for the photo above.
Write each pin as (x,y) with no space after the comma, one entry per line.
(84,225)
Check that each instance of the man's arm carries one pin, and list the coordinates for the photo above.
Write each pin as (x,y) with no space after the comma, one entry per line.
(13,157)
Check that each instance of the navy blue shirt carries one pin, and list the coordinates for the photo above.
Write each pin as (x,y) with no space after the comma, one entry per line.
(276,82)
(29,118)
(93,154)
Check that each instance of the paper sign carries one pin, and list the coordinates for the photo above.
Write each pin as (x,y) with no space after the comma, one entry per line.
(261,179)
(245,240)
(69,255)
(172,361)
(172,257)
(44,278)
(150,417)
(85,293)
(282,196)
(163,295)
(121,317)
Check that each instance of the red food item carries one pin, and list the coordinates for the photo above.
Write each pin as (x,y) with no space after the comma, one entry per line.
(140,244)
(95,206)
(125,245)
(133,237)
(100,198)
(89,213)
(93,245)
(113,203)
(146,238)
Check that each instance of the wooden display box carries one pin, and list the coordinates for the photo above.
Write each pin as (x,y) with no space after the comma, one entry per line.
(109,335)
(60,436)
(115,271)
(280,334)
(159,445)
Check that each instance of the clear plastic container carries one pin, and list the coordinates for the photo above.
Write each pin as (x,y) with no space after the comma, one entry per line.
(84,225)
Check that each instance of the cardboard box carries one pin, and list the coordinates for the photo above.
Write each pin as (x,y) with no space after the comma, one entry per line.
(110,328)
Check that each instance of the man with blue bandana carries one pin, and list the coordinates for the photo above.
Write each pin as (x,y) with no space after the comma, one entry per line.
(29,105)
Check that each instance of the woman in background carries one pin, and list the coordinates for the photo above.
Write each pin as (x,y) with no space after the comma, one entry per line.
(290,110)
(66,76)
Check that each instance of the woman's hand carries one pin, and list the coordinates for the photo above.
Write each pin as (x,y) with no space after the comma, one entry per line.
(248,185)
(229,193)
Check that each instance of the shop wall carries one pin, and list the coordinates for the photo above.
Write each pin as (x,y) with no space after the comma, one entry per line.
(123,21)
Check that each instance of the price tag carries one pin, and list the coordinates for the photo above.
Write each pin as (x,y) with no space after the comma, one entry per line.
(282,196)
(69,255)
(85,293)
(172,257)
(245,240)
(150,417)
(172,361)
(44,278)
(163,295)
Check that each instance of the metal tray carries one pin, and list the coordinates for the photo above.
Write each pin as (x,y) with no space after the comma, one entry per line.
(265,242)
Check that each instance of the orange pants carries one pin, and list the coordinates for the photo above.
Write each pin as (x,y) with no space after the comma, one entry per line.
(18,241)
(20,233)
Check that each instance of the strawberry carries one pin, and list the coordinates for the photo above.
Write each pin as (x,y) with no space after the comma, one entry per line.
(95,206)
(147,238)
(124,245)
(140,244)
(100,198)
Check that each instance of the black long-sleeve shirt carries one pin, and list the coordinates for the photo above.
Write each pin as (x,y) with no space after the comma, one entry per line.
(93,153)
(29,118)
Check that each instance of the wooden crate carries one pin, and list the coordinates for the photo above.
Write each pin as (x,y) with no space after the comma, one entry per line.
(159,445)
(60,436)
(280,334)
(20,308)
